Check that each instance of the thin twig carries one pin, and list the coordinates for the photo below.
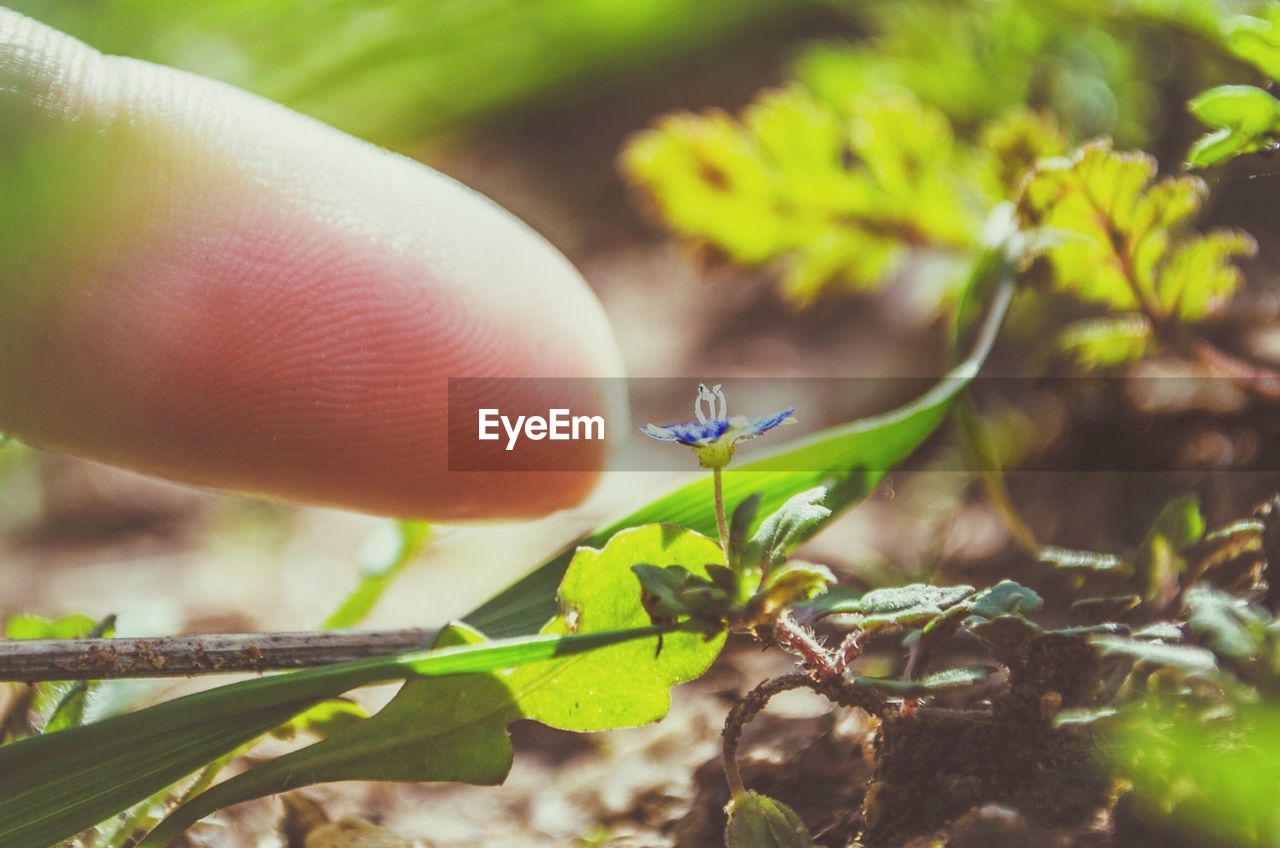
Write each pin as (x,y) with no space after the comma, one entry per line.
(836,690)
(33,660)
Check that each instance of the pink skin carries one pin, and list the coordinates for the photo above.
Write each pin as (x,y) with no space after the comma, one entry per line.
(242,298)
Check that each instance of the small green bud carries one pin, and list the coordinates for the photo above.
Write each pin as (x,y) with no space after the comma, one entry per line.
(756,821)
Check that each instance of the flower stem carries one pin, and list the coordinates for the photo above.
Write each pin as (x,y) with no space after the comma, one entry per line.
(722,524)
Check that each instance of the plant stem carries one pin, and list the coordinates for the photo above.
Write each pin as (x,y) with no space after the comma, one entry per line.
(749,706)
(722,523)
(794,638)
(33,660)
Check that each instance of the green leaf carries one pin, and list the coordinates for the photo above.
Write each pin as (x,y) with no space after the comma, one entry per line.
(456,728)
(1087,560)
(757,821)
(1179,525)
(1123,240)
(838,600)
(1165,631)
(324,719)
(786,528)
(1228,626)
(1005,598)
(39,627)
(1217,780)
(1084,716)
(1245,120)
(791,583)
(940,681)
(1257,41)
(849,459)
(744,517)
(1186,659)
(1014,143)
(1107,342)
(836,201)
(906,606)
(411,536)
(56,785)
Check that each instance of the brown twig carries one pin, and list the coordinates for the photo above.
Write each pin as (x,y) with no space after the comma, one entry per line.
(836,690)
(33,660)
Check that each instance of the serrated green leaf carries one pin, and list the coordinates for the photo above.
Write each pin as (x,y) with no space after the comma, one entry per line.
(1123,239)
(1014,143)
(833,200)
(455,729)
(1107,342)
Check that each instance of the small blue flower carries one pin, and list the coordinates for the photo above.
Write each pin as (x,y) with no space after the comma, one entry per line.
(715,434)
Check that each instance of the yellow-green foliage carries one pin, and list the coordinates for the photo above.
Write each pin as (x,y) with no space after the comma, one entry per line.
(828,199)
(1121,239)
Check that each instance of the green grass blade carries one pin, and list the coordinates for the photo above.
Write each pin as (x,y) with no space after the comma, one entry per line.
(53,787)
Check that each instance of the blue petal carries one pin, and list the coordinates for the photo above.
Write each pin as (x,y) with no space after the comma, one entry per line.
(765,423)
(692,433)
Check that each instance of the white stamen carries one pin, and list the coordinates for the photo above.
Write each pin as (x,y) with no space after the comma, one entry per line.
(723,407)
(703,394)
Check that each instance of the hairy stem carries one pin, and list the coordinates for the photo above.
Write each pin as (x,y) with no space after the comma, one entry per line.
(722,524)
(33,660)
(796,639)
(835,689)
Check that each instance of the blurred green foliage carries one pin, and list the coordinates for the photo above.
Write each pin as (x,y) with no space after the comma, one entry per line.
(1098,64)
(890,152)
(391,70)
(1244,119)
